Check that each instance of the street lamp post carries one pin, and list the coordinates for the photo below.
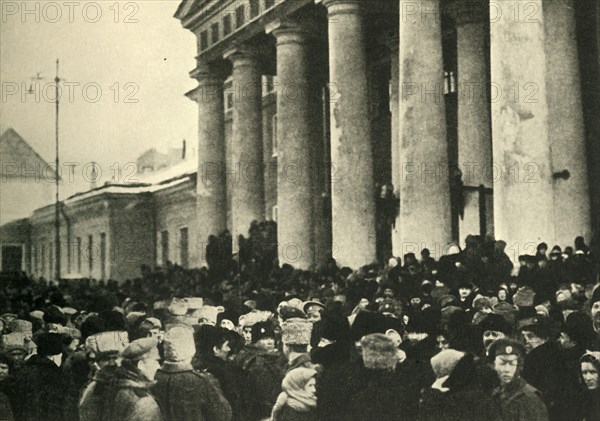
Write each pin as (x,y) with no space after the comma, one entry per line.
(57,204)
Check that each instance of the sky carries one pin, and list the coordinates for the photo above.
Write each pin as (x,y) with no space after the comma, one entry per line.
(126,67)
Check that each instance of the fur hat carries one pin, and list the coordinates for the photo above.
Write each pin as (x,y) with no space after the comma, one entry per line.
(14,341)
(70,332)
(481,302)
(106,343)
(444,362)
(446,300)
(580,329)
(113,320)
(378,351)
(49,344)
(22,326)
(333,326)
(179,343)
(141,349)
(506,310)
(366,323)
(262,330)
(524,297)
(208,314)
(296,331)
(497,323)
(194,303)
(255,316)
(177,307)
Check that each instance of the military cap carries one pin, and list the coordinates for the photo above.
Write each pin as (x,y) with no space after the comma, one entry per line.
(506,346)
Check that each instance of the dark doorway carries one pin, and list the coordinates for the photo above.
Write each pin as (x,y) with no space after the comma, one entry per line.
(12,257)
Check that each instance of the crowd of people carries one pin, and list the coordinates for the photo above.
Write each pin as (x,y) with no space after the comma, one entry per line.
(466,337)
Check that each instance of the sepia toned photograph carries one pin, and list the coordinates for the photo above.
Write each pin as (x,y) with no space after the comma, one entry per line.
(300,210)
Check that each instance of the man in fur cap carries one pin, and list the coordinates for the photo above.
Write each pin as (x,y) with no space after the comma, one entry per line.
(183,393)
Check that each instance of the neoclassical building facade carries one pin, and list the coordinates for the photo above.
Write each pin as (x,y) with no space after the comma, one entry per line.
(482,115)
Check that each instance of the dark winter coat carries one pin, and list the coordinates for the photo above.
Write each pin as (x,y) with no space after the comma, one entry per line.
(289,414)
(130,398)
(40,391)
(5,409)
(231,378)
(546,370)
(383,397)
(94,394)
(263,381)
(464,401)
(590,405)
(185,394)
(520,402)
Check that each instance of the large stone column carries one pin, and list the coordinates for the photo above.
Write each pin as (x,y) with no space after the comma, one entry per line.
(523,182)
(424,187)
(565,125)
(210,186)
(474,131)
(298,135)
(353,195)
(246,164)
(394,111)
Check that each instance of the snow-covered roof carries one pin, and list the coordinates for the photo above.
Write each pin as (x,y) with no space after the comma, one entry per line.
(146,183)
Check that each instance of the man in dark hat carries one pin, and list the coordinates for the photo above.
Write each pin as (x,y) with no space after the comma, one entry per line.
(517,399)
(41,385)
(544,366)
(263,371)
(494,327)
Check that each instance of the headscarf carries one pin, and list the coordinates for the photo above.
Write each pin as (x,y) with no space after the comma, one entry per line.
(294,393)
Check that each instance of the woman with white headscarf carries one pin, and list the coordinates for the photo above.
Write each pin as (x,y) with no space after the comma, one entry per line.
(298,401)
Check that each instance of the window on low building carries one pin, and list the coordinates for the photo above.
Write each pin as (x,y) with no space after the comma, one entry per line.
(102,256)
(226,25)
(274,137)
(78,254)
(254,8)
(90,253)
(203,40)
(240,16)
(183,247)
(164,245)
(215,32)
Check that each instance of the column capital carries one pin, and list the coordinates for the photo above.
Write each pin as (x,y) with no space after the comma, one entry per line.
(463,12)
(337,7)
(206,72)
(288,31)
(241,55)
